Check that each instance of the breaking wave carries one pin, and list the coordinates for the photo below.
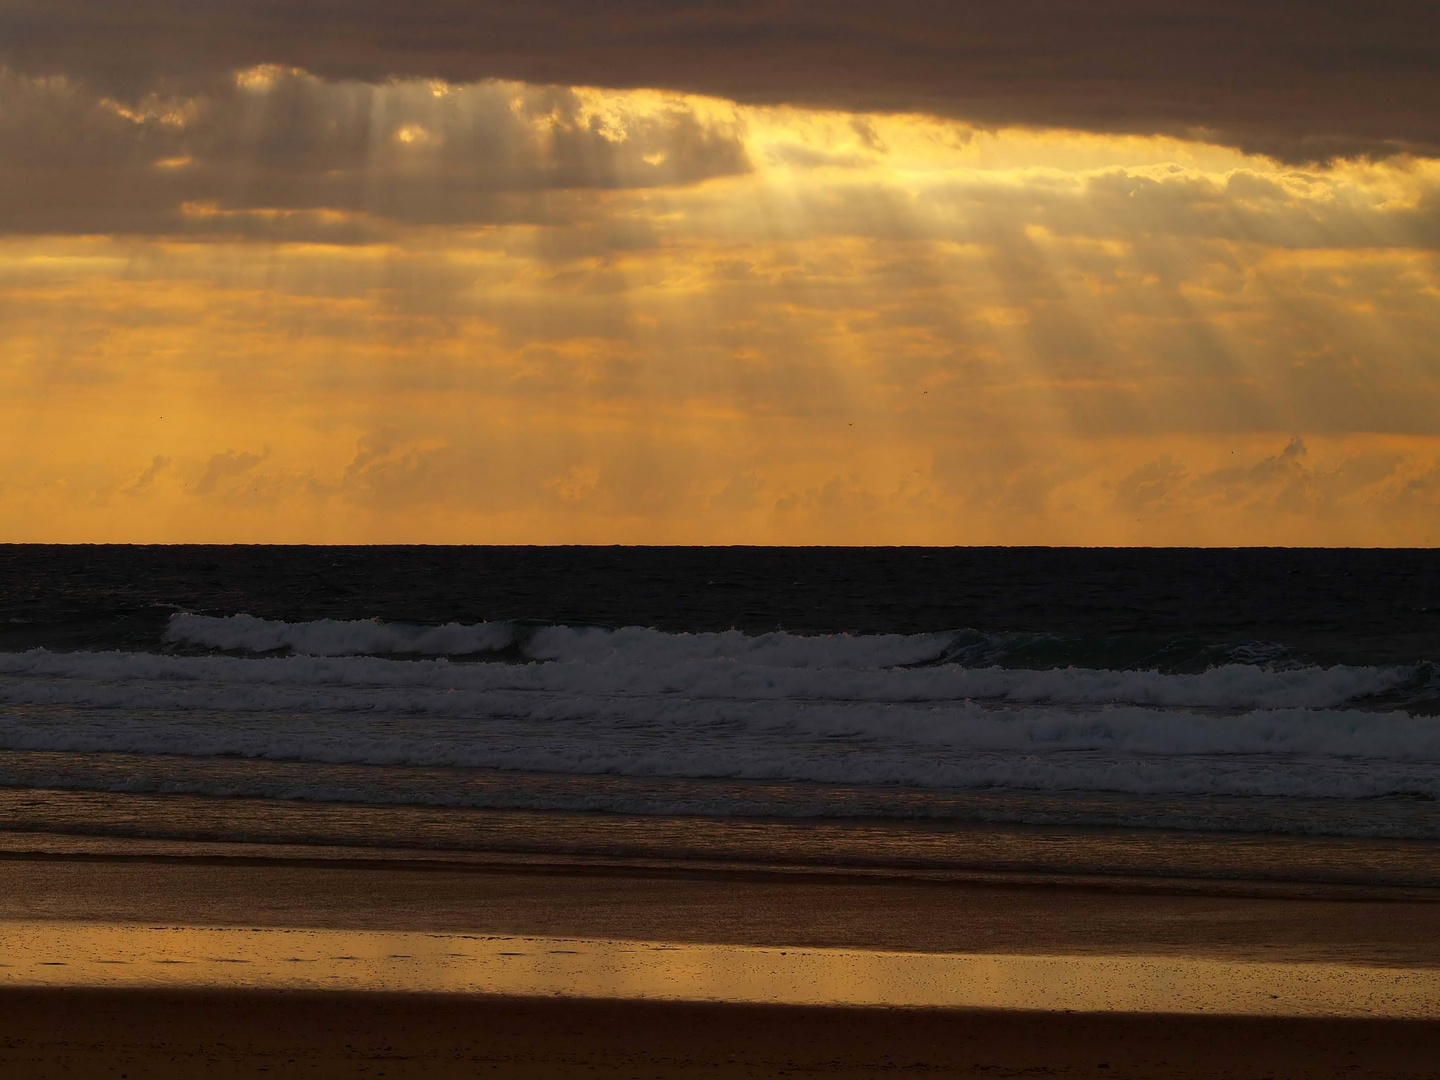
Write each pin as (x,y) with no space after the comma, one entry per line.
(877,711)
(336,637)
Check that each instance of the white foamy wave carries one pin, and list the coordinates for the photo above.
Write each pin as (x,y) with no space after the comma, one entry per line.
(1232,730)
(722,677)
(839,709)
(333,637)
(272,713)
(633,645)
(639,645)
(809,749)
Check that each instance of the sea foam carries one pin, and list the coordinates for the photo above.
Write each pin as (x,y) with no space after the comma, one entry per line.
(855,709)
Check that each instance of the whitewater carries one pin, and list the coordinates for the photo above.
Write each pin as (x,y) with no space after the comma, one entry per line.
(640,720)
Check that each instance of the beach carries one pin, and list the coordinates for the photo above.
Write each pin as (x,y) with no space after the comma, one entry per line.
(164,1026)
(157,1034)
(1026,914)
(553,812)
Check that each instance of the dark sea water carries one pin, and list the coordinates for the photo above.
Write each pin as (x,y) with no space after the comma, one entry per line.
(888,695)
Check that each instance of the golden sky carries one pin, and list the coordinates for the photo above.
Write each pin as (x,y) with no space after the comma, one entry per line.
(276,306)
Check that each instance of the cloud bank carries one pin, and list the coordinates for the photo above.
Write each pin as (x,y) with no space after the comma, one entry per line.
(1296,79)
(282,154)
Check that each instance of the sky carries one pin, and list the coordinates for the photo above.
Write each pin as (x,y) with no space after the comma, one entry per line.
(1034,272)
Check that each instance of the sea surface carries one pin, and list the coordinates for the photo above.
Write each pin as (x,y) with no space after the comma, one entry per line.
(860,706)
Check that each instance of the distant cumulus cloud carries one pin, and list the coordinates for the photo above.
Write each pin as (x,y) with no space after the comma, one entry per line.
(1153,484)
(1285,484)
(143,482)
(226,466)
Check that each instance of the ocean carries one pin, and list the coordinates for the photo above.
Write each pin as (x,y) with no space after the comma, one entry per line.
(1256,714)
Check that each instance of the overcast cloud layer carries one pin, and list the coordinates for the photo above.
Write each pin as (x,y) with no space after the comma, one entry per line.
(1298,79)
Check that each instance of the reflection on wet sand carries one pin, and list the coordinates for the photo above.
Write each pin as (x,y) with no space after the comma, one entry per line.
(86,954)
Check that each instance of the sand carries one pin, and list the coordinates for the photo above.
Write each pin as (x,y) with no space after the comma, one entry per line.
(741,907)
(216,1034)
(79,1031)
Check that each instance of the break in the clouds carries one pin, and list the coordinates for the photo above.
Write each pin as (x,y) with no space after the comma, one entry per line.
(341,273)
(1292,78)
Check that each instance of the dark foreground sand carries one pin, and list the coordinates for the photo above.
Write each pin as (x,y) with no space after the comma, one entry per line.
(77,1032)
(85,1033)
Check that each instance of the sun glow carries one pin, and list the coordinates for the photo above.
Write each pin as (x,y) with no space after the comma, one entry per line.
(497,312)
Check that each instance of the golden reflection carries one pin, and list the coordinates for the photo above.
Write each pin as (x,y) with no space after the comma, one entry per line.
(85,954)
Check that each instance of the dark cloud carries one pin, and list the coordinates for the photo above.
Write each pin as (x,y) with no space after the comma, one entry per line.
(1300,79)
(274,155)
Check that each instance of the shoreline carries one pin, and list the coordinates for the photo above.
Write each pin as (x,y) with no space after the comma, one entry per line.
(70,821)
(83,847)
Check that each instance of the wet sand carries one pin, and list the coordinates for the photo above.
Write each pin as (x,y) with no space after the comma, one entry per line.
(159,1031)
(737,907)
(130,956)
